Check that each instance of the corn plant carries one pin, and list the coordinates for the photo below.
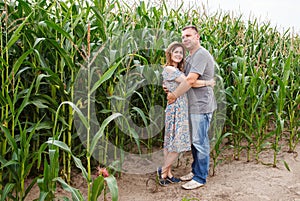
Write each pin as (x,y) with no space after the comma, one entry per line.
(293,96)
(21,158)
(280,95)
(20,164)
(47,184)
(236,94)
(260,118)
(294,136)
(218,148)
(8,40)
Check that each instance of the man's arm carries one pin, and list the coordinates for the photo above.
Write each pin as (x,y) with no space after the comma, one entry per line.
(183,87)
(204,83)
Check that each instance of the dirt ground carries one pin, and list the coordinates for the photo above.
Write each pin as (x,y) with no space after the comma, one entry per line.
(234,181)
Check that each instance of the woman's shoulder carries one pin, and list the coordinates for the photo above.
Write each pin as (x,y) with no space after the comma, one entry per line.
(170,69)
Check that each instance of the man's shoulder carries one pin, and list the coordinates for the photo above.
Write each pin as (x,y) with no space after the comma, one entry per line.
(203,55)
(203,51)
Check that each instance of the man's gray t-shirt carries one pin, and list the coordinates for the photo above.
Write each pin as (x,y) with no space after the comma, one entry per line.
(201,99)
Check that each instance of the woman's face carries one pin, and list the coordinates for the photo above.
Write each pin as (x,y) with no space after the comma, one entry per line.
(177,55)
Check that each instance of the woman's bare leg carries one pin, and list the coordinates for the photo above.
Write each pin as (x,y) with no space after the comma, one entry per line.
(170,158)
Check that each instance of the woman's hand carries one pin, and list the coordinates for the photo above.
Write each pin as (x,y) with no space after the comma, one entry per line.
(165,89)
(211,83)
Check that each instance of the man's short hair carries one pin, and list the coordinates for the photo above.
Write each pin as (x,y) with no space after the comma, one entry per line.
(190,27)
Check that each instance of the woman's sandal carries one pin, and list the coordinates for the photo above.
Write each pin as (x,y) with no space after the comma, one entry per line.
(159,172)
(164,182)
(173,179)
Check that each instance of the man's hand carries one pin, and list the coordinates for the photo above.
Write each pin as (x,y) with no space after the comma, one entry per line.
(171,98)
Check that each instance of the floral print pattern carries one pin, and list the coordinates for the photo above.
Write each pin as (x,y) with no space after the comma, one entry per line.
(177,135)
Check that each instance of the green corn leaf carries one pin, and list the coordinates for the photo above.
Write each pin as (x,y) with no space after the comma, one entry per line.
(19,62)
(54,26)
(136,137)
(54,79)
(65,147)
(62,52)
(25,101)
(59,144)
(107,75)
(78,164)
(37,41)
(30,186)
(76,195)
(39,104)
(76,109)
(280,94)
(98,186)
(101,130)
(40,153)
(113,187)
(286,165)
(11,140)
(16,35)
(7,189)
(100,22)
(2,100)
(287,70)
(22,70)
(38,80)
(43,195)
(43,125)
(8,163)
(65,199)
(142,114)
(41,182)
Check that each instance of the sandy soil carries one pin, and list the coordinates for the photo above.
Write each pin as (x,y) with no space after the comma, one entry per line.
(234,181)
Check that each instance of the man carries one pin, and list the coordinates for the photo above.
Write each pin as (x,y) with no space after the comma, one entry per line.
(199,65)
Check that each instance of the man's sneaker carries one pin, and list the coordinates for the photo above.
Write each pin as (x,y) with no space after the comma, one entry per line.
(187,177)
(173,179)
(191,185)
(164,182)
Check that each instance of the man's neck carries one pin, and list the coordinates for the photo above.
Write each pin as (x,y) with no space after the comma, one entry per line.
(194,49)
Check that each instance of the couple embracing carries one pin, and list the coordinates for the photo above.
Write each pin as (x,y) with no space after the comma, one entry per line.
(189,85)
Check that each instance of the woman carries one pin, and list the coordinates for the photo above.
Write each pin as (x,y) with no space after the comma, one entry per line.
(177,136)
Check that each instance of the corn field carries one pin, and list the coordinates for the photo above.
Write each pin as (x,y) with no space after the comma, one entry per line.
(45,45)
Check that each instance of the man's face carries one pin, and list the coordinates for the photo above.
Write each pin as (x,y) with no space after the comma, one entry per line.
(189,38)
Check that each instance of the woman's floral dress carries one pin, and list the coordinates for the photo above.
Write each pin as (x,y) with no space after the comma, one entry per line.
(177,135)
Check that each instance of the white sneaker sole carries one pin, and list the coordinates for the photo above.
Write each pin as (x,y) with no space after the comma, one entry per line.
(192,185)
(187,177)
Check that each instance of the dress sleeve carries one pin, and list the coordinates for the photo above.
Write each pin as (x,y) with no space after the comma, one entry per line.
(170,74)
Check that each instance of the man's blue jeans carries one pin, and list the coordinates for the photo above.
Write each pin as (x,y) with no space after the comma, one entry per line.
(200,145)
